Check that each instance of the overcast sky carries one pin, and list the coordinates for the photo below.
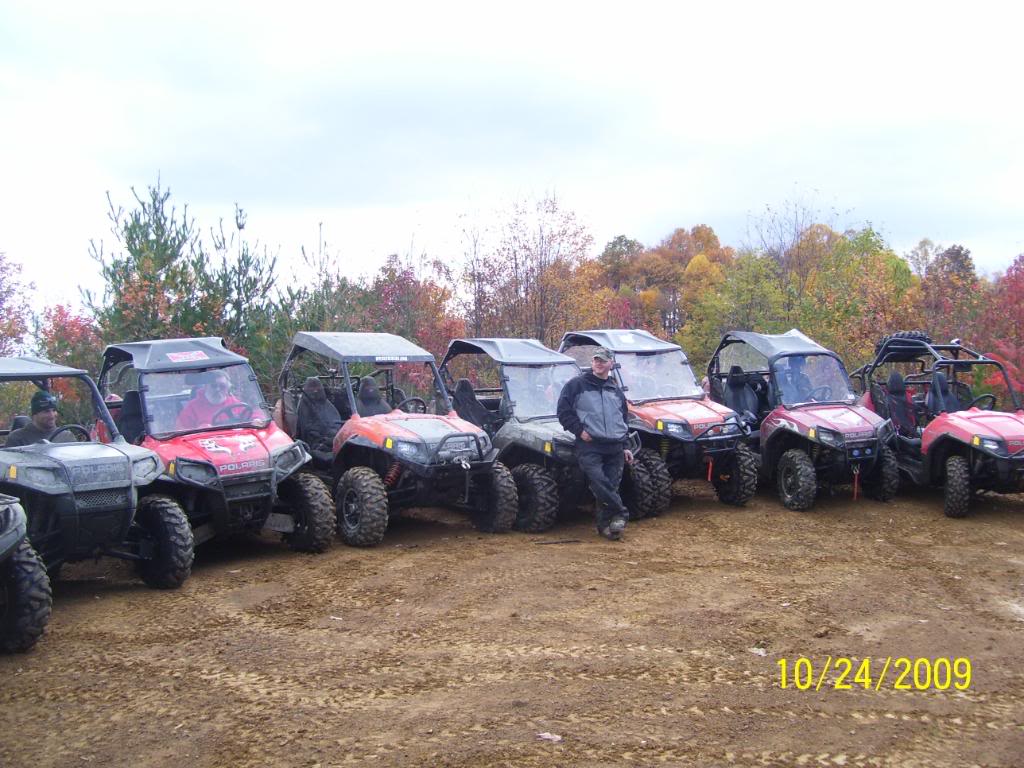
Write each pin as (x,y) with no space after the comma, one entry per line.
(390,124)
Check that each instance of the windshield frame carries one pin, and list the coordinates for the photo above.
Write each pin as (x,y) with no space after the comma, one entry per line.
(778,390)
(251,423)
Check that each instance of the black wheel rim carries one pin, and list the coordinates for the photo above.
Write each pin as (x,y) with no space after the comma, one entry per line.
(350,508)
(788,481)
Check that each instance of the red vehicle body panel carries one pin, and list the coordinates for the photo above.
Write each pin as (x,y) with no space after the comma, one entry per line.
(378,428)
(699,414)
(964,425)
(232,451)
(852,421)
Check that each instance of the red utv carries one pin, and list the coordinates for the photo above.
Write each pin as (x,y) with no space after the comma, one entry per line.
(946,435)
(684,433)
(383,450)
(796,397)
(199,406)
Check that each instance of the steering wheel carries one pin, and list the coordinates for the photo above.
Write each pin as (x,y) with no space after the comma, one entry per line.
(232,412)
(987,396)
(72,428)
(419,401)
(825,390)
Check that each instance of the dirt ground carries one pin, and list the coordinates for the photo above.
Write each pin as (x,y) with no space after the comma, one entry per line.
(444,647)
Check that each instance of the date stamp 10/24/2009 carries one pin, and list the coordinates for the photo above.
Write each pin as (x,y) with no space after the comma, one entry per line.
(898,673)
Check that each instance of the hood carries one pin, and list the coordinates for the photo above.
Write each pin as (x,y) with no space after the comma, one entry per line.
(398,425)
(850,420)
(231,451)
(699,414)
(1005,426)
(546,429)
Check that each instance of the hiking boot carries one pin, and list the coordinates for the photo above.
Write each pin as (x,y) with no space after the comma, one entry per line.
(617,525)
(609,533)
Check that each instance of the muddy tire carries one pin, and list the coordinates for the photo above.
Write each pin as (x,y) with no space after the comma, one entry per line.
(661,480)
(500,506)
(637,490)
(884,483)
(797,480)
(958,487)
(165,523)
(310,503)
(361,507)
(25,599)
(737,484)
(537,505)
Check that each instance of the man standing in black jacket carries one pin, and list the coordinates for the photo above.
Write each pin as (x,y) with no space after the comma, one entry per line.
(594,409)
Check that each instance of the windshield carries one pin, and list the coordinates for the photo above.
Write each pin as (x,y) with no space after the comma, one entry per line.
(534,389)
(663,376)
(185,401)
(811,379)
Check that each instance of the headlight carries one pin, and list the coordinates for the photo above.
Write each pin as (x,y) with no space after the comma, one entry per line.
(195,472)
(145,470)
(289,459)
(409,450)
(677,428)
(42,476)
(989,444)
(827,437)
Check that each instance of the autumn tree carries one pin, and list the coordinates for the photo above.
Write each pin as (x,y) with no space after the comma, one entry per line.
(161,281)
(69,337)
(952,293)
(14,306)
(528,288)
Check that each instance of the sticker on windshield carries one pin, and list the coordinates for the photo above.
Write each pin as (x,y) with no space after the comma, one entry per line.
(187,357)
(391,359)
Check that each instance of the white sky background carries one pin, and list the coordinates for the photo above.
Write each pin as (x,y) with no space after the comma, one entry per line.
(389,123)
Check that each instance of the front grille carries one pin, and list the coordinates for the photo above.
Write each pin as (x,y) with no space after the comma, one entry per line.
(110,497)
(247,490)
(861,449)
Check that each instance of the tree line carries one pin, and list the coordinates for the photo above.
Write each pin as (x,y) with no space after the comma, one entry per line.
(535,273)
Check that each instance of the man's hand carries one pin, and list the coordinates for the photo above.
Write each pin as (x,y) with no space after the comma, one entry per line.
(629,456)
(585,436)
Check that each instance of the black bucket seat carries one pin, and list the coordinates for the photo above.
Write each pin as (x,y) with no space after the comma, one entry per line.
(940,399)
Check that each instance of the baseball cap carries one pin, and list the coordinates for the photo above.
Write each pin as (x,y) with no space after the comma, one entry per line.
(601,353)
(43,401)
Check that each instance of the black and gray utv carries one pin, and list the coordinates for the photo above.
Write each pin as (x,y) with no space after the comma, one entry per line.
(515,399)
(82,497)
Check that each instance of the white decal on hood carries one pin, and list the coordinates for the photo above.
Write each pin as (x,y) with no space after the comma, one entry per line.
(212,446)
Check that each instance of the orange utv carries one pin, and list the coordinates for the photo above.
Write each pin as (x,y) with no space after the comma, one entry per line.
(382,431)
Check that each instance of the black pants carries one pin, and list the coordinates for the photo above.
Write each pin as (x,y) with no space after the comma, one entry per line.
(603,465)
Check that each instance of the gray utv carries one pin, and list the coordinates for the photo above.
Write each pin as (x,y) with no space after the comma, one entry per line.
(24,586)
(519,381)
(82,497)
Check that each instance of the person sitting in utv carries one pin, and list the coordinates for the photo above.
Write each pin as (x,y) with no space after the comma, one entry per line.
(212,398)
(369,402)
(42,424)
(317,421)
(795,384)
